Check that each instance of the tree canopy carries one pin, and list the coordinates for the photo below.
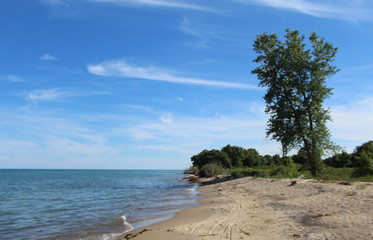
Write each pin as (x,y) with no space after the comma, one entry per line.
(295,78)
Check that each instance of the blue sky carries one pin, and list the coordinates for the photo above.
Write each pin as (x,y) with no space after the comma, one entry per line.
(146,84)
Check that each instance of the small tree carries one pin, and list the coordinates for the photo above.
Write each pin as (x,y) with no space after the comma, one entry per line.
(236,154)
(363,159)
(211,157)
(295,78)
(252,157)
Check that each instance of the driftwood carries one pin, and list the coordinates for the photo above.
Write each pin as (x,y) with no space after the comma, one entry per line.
(293,182)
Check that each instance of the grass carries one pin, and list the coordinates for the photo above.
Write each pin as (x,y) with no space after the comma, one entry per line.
(342,174)
(278,172)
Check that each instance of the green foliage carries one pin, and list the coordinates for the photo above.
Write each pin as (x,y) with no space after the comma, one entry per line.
(295,78)
(276,159)
(211,157)
(215,162)
(210,170)
(300,157)
(236,154)
(336,174)
(339,160)
(364,164)
(252,158)
(365,147)
(192,170)
(284,172)
(249,172)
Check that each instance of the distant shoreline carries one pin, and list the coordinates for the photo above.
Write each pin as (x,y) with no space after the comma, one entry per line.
(257,208)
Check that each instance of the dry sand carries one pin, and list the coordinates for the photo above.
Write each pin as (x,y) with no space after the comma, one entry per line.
(255,208)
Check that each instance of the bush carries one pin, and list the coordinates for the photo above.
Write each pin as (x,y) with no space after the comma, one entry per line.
(252,157)
(192,170)
(248,172)
(236,154)
(364,165)
(284,172)
(209,170)
(211,157)
(339,160)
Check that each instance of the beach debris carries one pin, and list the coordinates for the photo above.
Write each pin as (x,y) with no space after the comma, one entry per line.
(133,235)
(344,183)
(322,215)
(293,182)
(244,232)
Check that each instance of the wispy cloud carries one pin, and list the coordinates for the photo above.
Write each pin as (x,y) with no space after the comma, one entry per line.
(120,68)
(47,57)
(353,121)
(53,94)
(157,3)
(346,10)
(54,2)
(187,28)
(39,95)
(167,118)
(12,78)
(203,36)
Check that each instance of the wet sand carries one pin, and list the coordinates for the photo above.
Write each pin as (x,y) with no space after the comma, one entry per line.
(256,208)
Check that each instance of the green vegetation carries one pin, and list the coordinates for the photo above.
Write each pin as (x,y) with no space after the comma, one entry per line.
(295,79)
(239,162)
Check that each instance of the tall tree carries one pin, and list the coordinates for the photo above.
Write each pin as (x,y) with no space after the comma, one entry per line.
(295,78)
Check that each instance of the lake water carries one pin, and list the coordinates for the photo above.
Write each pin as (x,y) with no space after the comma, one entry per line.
(88,204)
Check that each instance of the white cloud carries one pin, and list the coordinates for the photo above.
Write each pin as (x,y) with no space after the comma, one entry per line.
(353,121)
(120,68)
(39,95)
(167,118)
(202,128)
(54,2)
(53,94)
(344,9)
(48,57)
(63,140)
(157,3)
(13,78)
(187,28)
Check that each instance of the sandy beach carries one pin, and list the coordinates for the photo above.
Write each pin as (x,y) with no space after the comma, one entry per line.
(256,208)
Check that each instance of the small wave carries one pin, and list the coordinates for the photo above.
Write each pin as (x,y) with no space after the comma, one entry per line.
(193,190)
(128,227)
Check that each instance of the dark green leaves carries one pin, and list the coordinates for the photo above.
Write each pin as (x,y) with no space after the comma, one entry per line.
(295,78)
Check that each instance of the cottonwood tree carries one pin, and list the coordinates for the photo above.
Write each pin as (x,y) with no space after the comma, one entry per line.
(295,78)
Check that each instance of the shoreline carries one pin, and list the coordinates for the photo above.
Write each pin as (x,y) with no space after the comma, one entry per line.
(256,208)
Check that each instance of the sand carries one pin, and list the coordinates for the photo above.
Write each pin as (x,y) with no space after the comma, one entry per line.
(256,208)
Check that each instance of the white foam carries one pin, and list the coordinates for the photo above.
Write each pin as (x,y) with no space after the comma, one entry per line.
(193,190)
(113,236)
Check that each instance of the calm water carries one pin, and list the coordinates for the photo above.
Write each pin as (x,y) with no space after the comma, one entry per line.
(87,204)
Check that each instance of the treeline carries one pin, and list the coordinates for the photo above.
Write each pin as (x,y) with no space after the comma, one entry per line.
(238,162)
(361,160)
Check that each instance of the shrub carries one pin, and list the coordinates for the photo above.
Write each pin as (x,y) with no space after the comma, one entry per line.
(209,170)
(192,170)
(284,172)
(364,165)
(248,172)
(339,160)
(211,157)
(252,157)
(236,154)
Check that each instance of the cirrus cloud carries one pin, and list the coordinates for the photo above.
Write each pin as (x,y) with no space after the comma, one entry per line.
(120,68)
(355,11)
